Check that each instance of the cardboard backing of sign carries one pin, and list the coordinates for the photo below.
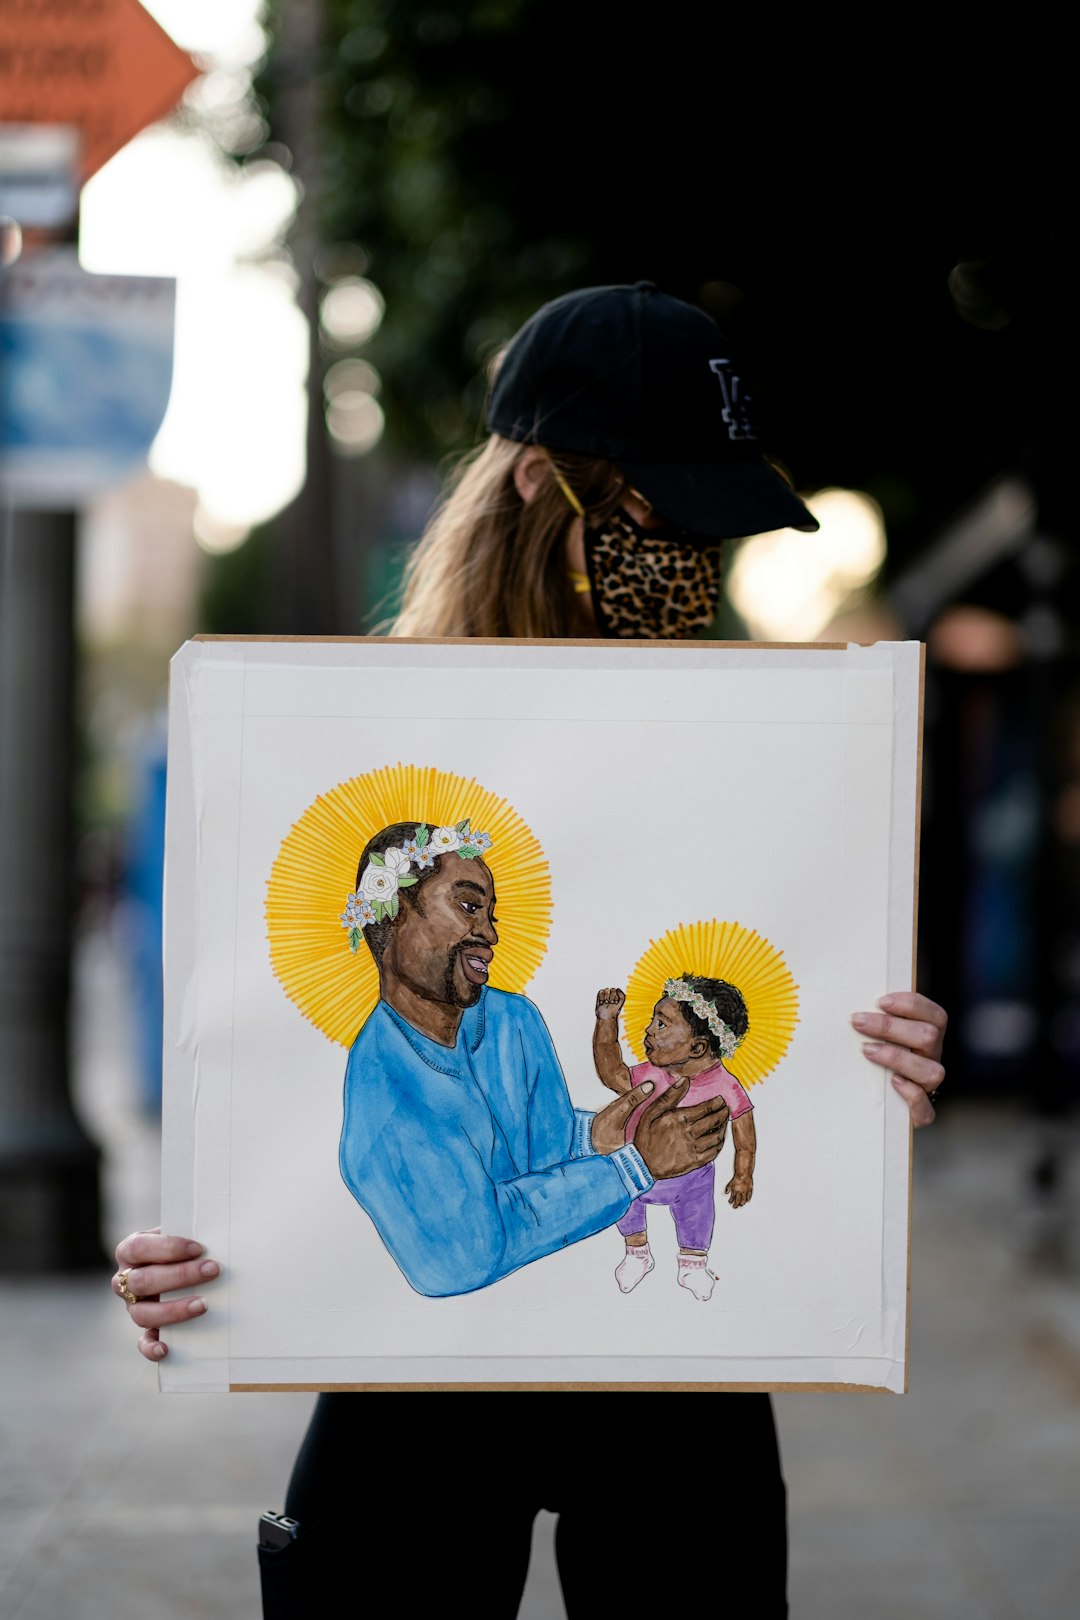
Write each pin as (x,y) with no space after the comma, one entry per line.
(748,812)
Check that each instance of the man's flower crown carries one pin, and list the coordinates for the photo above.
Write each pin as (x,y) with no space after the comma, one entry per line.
(376,897)
(679,990)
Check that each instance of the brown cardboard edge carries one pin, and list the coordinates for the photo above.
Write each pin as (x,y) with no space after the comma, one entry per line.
(686,1388)
(616,1389)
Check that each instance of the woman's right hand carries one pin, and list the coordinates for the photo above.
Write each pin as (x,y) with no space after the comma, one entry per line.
(156,1264)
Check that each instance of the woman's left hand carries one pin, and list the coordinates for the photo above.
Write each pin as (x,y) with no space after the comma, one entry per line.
(905,1037)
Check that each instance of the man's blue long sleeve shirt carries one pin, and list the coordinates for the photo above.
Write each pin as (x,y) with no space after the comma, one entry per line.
(470,1159)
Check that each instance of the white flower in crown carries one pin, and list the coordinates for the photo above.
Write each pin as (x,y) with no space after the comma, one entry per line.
(444,840)
(376,899)
(378,883)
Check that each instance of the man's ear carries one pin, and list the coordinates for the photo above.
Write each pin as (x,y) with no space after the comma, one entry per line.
(532,470)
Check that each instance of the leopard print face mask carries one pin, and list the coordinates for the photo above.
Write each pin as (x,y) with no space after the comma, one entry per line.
(655,585)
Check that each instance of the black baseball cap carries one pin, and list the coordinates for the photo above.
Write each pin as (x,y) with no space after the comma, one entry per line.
(647,382)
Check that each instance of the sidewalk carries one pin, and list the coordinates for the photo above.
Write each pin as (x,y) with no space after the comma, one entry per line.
(957,1502)
(961,1500)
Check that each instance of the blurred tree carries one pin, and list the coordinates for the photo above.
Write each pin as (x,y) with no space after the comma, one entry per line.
(426,110)
(876,219)
(236,588)
(481,157)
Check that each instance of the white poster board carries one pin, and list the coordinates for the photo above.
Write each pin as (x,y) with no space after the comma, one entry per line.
(756,803)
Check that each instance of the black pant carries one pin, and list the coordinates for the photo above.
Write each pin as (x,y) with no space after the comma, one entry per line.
(445,1517)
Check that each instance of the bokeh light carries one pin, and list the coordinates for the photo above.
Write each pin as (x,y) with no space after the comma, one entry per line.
(351,377)
(228,30)
(355,421)
(170,204)
(975,640)
(352,308)
(216,536)
(788,586)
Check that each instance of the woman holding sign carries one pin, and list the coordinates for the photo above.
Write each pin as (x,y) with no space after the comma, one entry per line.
(621,454)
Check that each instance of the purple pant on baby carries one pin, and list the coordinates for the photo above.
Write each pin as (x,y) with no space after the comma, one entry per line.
(690,1198)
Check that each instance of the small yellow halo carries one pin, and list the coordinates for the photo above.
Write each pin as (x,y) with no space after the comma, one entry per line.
(315,871)
(742,957)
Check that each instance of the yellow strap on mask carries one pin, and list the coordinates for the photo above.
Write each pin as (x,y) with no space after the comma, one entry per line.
(579,582)
(567,491)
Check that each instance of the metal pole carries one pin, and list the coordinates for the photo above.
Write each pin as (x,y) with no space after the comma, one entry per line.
(49,1167)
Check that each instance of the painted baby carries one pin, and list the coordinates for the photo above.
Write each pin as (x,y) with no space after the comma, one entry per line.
(696,1024)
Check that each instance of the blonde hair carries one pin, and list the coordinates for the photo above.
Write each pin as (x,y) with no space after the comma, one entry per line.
(492,564)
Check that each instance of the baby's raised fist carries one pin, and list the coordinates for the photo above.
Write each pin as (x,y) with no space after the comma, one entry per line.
(609,1004)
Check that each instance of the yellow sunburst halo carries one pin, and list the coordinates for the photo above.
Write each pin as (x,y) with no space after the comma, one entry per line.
(742,957)
(315,871)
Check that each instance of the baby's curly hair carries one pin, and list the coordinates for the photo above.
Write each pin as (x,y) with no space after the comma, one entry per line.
(729,1005)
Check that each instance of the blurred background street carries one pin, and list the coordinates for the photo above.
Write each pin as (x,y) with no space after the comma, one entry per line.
(257,258)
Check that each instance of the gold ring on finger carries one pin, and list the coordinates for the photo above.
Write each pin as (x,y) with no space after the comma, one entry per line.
(125,1291)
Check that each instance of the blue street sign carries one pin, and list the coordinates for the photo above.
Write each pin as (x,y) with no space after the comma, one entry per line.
(85,375)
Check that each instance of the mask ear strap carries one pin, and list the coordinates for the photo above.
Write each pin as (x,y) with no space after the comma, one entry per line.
(567,491)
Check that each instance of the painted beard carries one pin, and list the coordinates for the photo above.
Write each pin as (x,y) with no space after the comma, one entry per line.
(451,993)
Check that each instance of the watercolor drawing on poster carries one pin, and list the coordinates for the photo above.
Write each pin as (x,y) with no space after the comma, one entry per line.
(459,1138)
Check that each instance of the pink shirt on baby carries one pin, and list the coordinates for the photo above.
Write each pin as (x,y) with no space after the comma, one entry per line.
(714,1082)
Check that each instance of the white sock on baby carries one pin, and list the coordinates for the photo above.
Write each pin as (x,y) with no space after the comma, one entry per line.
(636,1263)
(695,1275)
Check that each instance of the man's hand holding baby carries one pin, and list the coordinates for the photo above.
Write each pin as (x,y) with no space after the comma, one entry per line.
(670,1139)
(674,1140)
(609,1125)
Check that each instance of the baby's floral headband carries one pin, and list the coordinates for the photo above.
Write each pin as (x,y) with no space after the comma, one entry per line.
(376,898)
(679,990)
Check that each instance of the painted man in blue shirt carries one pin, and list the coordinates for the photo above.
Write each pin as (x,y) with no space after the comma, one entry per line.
(459,1137)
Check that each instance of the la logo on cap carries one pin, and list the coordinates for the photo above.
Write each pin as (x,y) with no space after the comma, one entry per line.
(735,402)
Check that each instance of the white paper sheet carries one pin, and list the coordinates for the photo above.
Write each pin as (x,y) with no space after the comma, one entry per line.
(776,787)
